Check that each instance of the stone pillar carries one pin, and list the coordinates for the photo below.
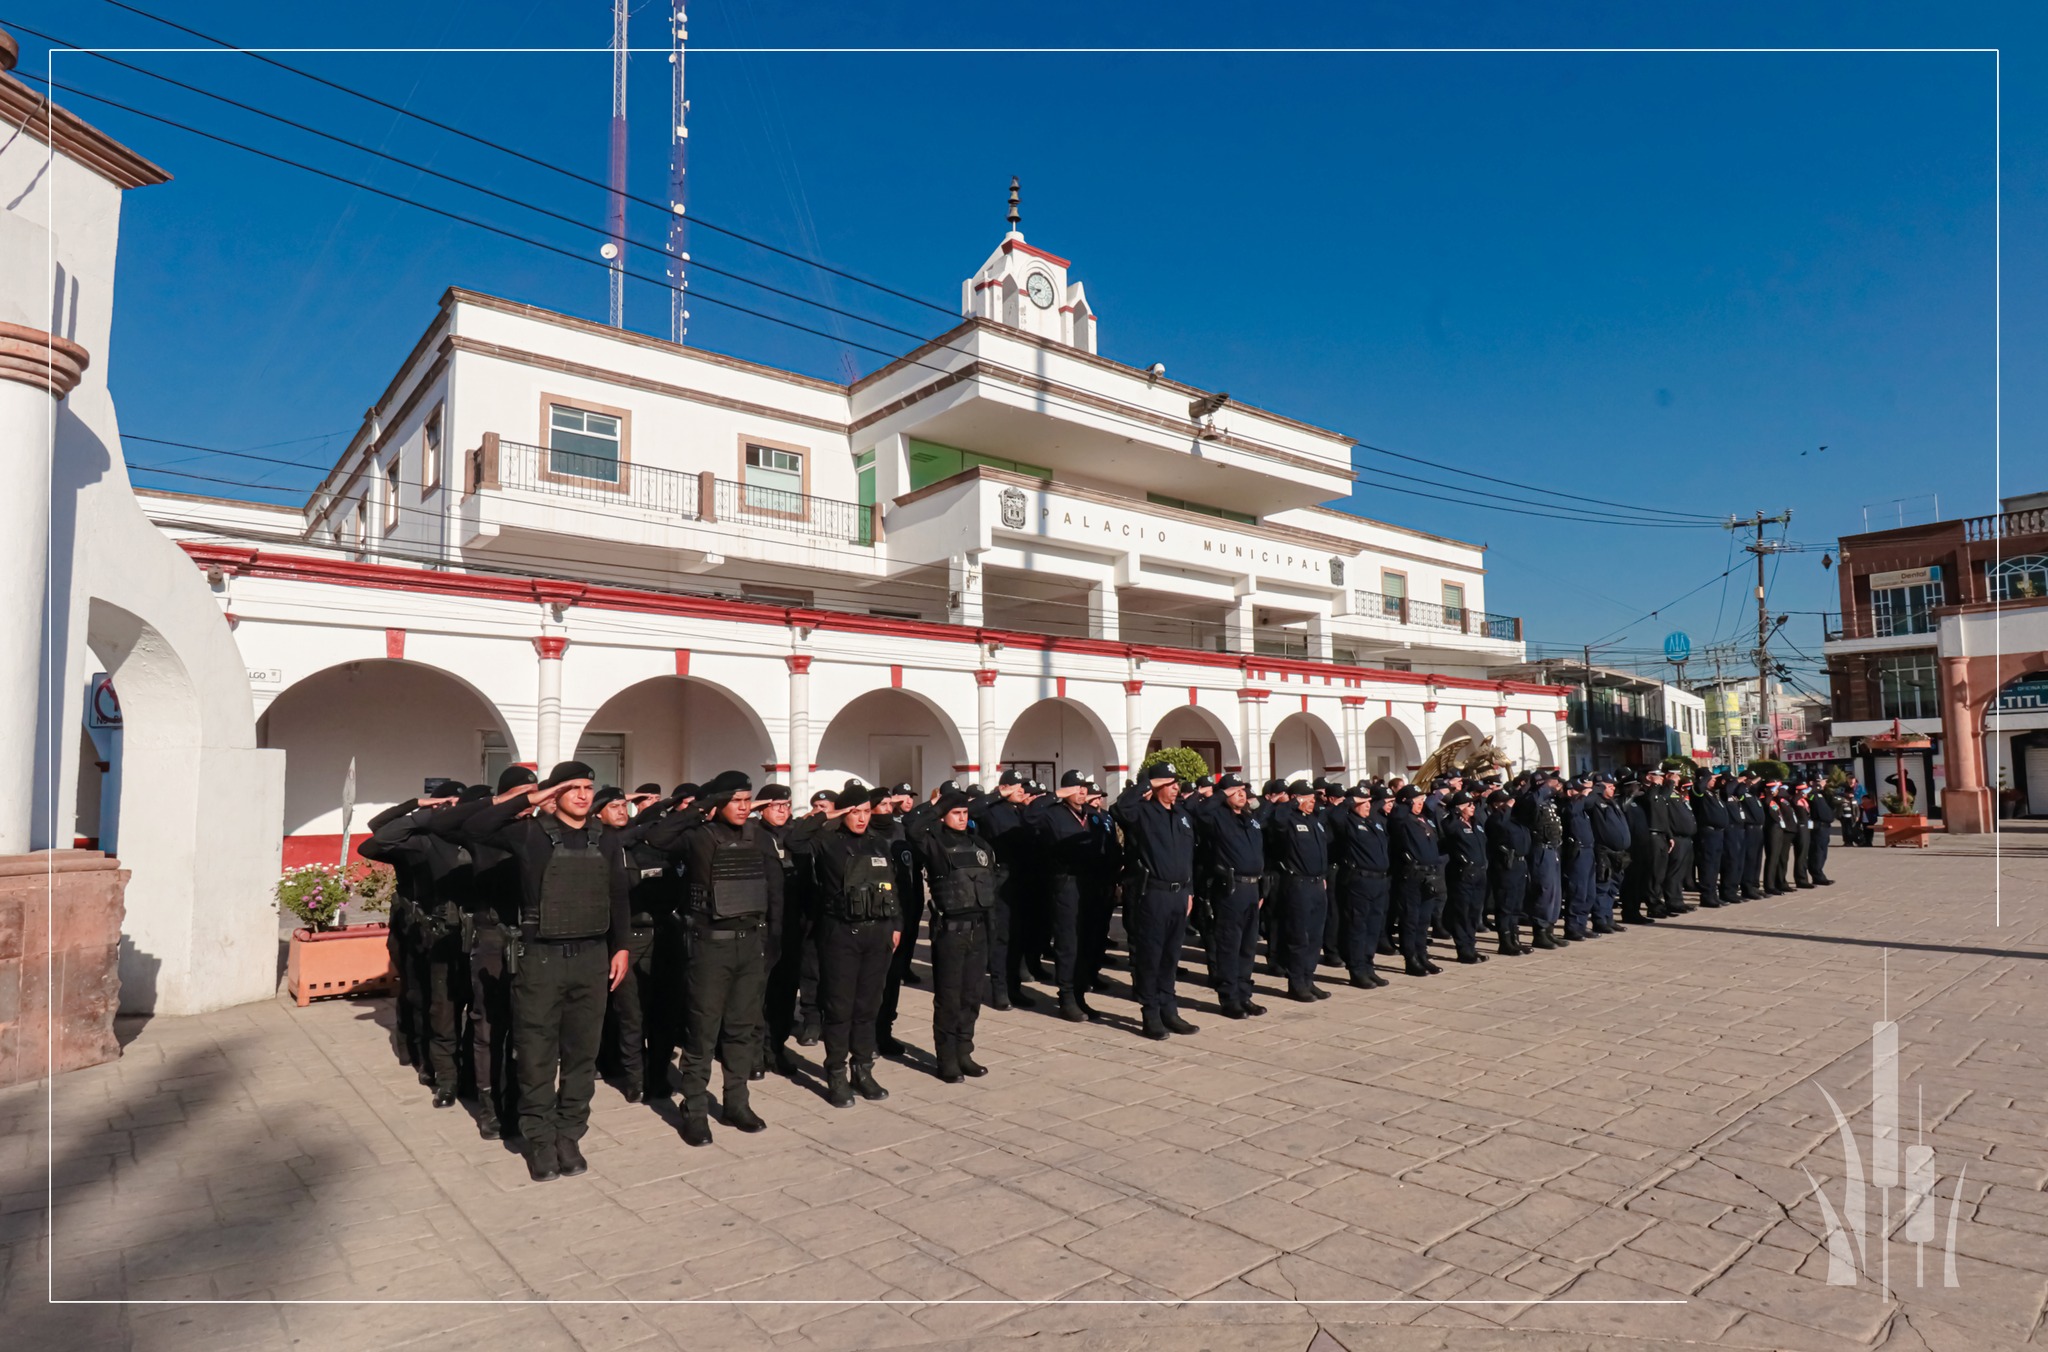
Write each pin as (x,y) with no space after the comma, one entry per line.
(1134,729)
(1239,622)
(547,707)
(1500,736)
(1564,743)
(963,590)
(1355,767)
(37,371)
(1318,638)
(799,729)
(60,952)
(1429,729)
(988,750)
(1967,803)
(1102,612)
(1251,719)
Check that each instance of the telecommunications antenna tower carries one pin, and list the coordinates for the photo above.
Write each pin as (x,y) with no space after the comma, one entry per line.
(678,157)
(614,250)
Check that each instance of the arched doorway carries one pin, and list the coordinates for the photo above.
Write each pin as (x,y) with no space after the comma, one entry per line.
(1056,735)
(889,737)
(399,721)
(1304,747)
(1390,749)
(1530,748)
(1462,728)
(1196,728)
(669,729)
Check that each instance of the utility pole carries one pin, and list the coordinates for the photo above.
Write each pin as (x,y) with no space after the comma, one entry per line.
(678,197)
(614,249)
(1766,731)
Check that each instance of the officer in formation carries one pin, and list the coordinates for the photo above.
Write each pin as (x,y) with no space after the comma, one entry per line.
(535,917)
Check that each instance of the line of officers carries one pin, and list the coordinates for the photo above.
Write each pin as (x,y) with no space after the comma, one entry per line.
(545,925)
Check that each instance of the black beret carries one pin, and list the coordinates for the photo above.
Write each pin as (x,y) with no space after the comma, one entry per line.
(514,775)
(1380,793)
(1157,771)
(654,789)
(1498,798)
(728,783)
(1458,799)
(474,792)
(952,801)
(610,793)
(853,788)
(975,791)
(877,797)
(441,788)
(903,791)
(948,786)
(773,793)
(565,771)
(686,790)
(1408,793)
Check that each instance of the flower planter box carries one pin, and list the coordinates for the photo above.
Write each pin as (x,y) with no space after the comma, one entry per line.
(1907,828)
(352,961)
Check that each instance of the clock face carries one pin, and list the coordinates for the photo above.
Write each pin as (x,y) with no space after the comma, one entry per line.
(1040,288)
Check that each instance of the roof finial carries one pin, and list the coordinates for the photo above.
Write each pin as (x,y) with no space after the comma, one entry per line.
(1015,217)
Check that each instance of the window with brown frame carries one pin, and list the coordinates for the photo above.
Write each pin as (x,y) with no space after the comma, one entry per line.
(773,478)
(585,444)
(430,451)
(1393,591)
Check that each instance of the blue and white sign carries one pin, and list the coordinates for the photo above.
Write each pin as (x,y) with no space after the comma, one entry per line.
(1677,647)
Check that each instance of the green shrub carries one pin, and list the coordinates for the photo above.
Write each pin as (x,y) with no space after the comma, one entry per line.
(1770,769)
(1186,762)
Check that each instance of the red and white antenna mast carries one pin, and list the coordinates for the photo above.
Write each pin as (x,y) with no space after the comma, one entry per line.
(614,249)
(678,198)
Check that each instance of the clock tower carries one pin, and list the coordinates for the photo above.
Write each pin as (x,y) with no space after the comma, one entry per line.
(1027,288)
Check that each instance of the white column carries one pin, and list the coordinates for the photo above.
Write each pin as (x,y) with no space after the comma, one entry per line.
(963,590)
(1500,733)
(1318,638)
(1102,612)
(37,369)
(988,748)
(799,729)
(1251,722)
(1355,767)
(1134,728)
(1240,620)
(1429,729)
(547,719)
(1564,742)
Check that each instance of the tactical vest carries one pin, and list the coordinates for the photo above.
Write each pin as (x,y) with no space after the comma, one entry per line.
(738,887)
(970,882)
(868,889)
(575,891)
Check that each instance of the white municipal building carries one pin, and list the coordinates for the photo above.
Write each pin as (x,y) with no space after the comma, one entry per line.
(552,538)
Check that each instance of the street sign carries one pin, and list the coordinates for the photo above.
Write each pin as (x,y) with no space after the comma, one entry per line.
(1677,647)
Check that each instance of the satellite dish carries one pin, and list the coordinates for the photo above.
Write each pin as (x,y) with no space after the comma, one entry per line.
(608,251)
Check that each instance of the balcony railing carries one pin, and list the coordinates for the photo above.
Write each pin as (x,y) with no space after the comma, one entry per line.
(664,492)
(1429,615)
(1865,622)
(2006,525)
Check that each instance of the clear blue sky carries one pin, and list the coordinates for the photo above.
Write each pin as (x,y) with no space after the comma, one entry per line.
(1656,278)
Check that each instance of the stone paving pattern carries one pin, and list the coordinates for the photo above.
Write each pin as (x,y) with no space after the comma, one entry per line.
(1626,1120)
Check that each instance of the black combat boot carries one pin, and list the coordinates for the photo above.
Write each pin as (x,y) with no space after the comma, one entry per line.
(739,1112)
(487,1125)
(1176,1024)
(1303,991)
(838,1089)
(570,1157)
(1254,1008)
(444,1098)
(811,1031)
(1153,1027)
(1539,937)
(696,1126)
(540,1162)
(970,1067)
(949,1060)
(1022,998)
(1070,1008)
(886,1043)
(1471,959)
(864,1082)
(786,1062)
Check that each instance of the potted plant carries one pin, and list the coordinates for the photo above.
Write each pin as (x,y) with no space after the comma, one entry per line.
(1902,825)
(330,956)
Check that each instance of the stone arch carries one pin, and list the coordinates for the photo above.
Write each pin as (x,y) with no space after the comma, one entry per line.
(1305,747)
(1463,727)
(1390,748)
(400,720)
(1192,725)
(1530,748)
(892,735)
(669,729)
(1064,734)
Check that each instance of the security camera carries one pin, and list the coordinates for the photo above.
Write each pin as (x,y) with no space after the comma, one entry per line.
(1156,370)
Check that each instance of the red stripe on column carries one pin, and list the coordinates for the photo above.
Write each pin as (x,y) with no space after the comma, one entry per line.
(394,648)
(1060,684)
(896,678)
(682,661)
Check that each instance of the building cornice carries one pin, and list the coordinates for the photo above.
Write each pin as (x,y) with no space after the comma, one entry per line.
(41,360)
(73,137)
(248,561)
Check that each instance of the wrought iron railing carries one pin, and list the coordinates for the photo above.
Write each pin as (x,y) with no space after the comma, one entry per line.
(802,513)
(1430,615)
(592,478)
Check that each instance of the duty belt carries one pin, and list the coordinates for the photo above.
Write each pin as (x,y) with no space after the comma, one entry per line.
(1249,877)
(961,922)
(1180,886)
(643,920)
(1367,872)
(721,933)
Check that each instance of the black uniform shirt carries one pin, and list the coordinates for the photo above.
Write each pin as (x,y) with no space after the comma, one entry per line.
(1297,842)
(1158,839)
(1360,843)
(499,826)
(834,852)
(1234,841)
(1415,841)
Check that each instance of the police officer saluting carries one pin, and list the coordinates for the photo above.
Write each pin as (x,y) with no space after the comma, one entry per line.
(1299,848)
(1418,878)
(1358,840)
(1160,838)
(573,920)
(1464,846)
(1232,847)
(1060,825)
(961,867)
(861,922)
(734,874)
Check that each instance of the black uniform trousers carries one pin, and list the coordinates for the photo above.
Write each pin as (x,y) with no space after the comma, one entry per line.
(853,958)
(1544,900)
(1707,854)
(1676,868)
(1777,859)
(1577,872)
(1156,918)
(1063,906)
(1508,884)
(1817,854)
(441,968)
(1005,961)
(1466,900)
(1098,908)
(1733,841)
(1233,938)
(1802,851)
(1418,891)
(728,978)
(1304,902)
(959,970)
(639,1047)
(1753,860)
(408,1009)
(1333,918)
(558,1003)
(490,1019)
(795,959)
(1362,903)
(1608,867)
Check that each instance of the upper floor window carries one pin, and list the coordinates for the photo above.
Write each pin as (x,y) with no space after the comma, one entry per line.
(1907,688)
(1905,608)
(2020,578)
(430,451)
(1393,591)
(1454,602)
(774,477)
(387,482)
(583,443)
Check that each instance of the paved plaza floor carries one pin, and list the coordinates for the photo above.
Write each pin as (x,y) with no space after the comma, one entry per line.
(1605,1147)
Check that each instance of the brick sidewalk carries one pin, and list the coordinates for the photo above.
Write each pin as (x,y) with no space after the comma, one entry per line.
(1626,1120)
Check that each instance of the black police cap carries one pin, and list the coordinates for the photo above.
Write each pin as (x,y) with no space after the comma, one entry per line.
(566,771)
(512,776)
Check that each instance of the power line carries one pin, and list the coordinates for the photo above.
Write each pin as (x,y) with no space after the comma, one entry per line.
(1564,515)
(402,111)
(1531,488)
(1652,614)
